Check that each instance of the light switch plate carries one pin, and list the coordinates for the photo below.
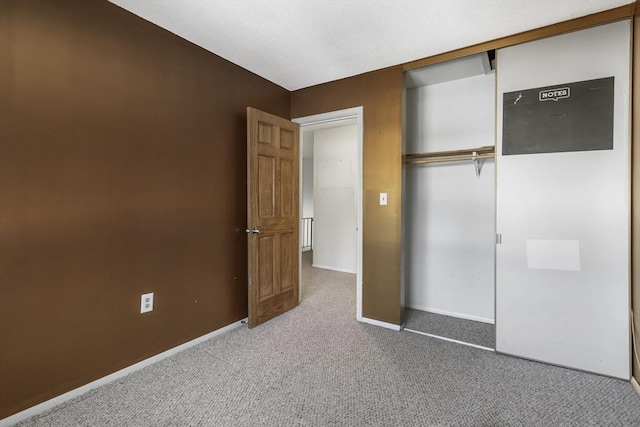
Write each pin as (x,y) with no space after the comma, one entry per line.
(383,199)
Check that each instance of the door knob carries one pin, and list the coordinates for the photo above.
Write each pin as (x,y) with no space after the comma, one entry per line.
(256,231)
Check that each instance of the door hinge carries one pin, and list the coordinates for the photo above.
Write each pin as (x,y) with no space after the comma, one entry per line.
(498,238)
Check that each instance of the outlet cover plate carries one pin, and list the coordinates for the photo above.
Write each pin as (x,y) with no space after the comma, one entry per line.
(146,303)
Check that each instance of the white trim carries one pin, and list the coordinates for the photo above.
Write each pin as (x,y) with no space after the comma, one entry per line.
(450,340)
(379,323)
(349,113)
(451,313)
(45,406)
(341,270)
(635,385)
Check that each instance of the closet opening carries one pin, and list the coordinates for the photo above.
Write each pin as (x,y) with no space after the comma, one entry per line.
(449,200)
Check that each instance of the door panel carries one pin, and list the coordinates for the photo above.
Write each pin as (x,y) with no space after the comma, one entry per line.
(266,187)
(287,196)
(265,132)
(562,267)
(266,271)
(287,256)
(286,140)
(272,215)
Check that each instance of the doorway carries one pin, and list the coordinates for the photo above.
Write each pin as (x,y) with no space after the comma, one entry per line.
(328,121)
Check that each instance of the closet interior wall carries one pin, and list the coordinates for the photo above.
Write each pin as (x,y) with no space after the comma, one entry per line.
(449,231)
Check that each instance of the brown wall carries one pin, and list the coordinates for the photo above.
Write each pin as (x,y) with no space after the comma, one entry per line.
(635,251)
(122,171)
(380,93)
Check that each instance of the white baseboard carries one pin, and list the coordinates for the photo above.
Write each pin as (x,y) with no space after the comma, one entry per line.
(326,267)
(635,385)
(45,406)
(379,323)
(451,313)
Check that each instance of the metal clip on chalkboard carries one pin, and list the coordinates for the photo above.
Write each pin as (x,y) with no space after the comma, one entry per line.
(474,154)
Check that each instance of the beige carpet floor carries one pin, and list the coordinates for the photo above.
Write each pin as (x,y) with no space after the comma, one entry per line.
(317,366)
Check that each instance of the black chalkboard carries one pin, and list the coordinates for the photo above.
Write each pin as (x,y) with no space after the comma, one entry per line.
(565,117)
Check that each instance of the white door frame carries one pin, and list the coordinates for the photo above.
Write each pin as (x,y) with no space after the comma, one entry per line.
(349,113)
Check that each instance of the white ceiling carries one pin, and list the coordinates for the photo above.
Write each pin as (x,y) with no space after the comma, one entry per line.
(301,43)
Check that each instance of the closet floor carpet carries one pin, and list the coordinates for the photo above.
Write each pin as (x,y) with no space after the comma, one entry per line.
(469,331)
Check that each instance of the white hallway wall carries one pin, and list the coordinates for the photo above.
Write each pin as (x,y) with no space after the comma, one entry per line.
(307,187)
(334,198)
(450,215)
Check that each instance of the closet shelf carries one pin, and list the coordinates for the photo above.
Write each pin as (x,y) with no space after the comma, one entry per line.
(474,154)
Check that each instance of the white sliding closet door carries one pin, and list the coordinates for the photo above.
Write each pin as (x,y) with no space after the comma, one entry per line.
(562,269)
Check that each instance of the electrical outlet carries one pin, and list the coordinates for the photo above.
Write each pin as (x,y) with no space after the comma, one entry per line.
(146,303)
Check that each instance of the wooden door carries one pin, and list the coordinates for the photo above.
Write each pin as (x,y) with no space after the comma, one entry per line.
(272,215)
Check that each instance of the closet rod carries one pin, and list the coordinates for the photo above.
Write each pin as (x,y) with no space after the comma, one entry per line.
(450,159)
(490,149)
